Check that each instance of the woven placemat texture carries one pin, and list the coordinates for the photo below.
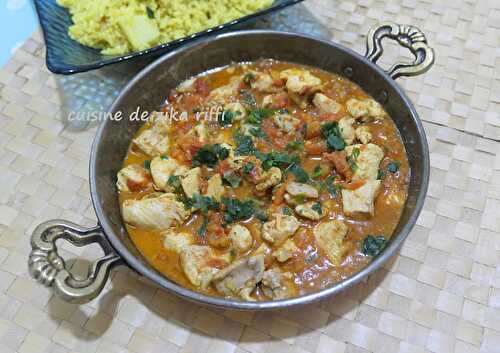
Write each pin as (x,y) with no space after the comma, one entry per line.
(440,294)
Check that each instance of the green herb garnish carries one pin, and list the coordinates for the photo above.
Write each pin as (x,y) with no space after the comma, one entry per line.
(256,116)
(210,155)
(226,118)
(248,98)
(247,168)
(380,174)
(393,167)
(300,174)
(331,133)
(147,164)
(174,181)
(287,211)
(150,12)
(248,78)
(202,231)
(317,208)
(373,245)
(295,145)
(317,172)
(244,145)
(331,187)
(236,210)
(353,157)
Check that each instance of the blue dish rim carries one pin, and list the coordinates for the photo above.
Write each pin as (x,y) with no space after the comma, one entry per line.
(67,69)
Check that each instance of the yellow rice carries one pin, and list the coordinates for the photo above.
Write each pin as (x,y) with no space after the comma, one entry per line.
(122,26)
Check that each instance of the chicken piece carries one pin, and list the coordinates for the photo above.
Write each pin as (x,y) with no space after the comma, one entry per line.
(285,251)
(277,284)
(223,94)
(238,109)
(263,82)
(366,109)
(286,123)
(275,101)
(301,81)
(133,178)
(325,104)
(241,237)
(301,189)
(329,237)
(361,199)
(160,212)
(339,162)
(280,228)
(176,241)
(363,134)
(187,86)
(347,130)
(310,210)
(152,143)
(197,263)
(190,182)
(215,188)
(367,162)
(160,122)
(240,278)
(162,169)
(269,179)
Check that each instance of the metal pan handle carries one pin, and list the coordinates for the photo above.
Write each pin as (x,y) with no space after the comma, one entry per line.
(407,36)
(47,266)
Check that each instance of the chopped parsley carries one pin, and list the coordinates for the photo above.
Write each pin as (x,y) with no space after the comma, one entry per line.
(373,245)
(331,187)
(277,159)
(150,12)
(210,155)
(237,210)
(232,179)
(248,98)
(295,145)
(317,172)
(256,116)
(165,158)
(317,208)
(353,157)
(174,181)
(226,118)
(244,145)
(300,174)
(380,174)
(393,167)
(248,78)
(257,132)
(147,164)
(287,211)
(334,140)
(204,203)
(247,168)
(202,231)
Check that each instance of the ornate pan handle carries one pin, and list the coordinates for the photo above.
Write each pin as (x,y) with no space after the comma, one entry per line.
(48,268)
(407,36)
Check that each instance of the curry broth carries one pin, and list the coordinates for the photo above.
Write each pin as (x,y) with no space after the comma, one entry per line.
(312,271)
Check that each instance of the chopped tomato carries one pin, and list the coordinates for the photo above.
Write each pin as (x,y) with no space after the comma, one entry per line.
(354,185)
(279,101)
(331,117)
(313,129)
(315,148)
(201,87)
(339,161)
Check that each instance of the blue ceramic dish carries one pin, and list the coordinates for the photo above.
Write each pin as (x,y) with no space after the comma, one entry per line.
(66,56)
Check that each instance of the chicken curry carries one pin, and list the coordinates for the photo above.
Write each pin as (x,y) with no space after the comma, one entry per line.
(272,180)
